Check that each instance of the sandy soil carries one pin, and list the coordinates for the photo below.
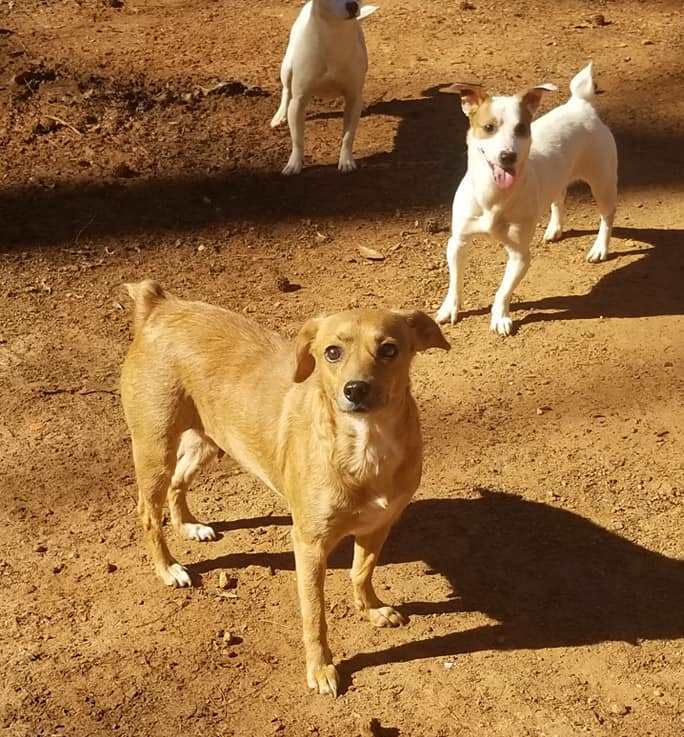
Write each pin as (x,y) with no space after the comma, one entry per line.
(540,564)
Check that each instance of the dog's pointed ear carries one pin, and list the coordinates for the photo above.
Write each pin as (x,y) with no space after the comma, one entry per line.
(532,98)
(305,363)
(472,96)
(366,10)
(426,332)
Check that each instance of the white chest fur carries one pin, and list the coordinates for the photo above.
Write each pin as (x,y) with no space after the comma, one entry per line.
(369,451)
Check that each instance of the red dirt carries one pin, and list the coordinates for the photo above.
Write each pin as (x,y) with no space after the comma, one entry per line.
(540,564)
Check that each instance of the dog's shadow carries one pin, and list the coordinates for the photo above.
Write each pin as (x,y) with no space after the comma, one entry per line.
(648,286)
(547,576)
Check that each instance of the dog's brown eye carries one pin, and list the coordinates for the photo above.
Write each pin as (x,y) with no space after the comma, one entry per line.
(388,350)
(333,353)
(489,127)
(521,130)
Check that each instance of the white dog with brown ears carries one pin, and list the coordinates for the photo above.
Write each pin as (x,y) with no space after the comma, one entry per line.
(326,56)
(516,169)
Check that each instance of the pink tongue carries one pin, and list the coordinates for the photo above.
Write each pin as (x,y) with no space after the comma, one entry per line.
(503,178)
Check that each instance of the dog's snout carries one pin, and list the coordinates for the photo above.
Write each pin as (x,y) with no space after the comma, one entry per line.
(356,391)
(352,9)
(508,158)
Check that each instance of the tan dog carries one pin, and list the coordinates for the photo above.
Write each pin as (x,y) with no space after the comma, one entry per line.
(328,422)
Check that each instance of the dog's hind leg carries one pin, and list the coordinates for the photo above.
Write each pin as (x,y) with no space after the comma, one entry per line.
(194,451)
(605,194)
(154,460)
(352,114)
(554,230)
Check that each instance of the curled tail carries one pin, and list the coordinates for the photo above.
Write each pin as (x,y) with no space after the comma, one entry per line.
(582,85)
(146,295)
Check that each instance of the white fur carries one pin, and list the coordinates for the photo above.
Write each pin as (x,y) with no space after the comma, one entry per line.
(326,56)
(567,144)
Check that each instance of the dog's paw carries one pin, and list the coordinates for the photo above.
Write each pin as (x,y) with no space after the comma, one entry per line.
(347,164)
(293,166)
(447,313)
(386,616)
(501,324)
(324,679)
(197,531)
(553,233)
(277,120)
(175,575)
(597,253)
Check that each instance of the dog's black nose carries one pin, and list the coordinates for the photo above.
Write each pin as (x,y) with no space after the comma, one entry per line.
(356,391)
(352,9)
(508,158)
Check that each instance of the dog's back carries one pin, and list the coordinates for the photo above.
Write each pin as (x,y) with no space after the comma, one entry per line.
(571,141)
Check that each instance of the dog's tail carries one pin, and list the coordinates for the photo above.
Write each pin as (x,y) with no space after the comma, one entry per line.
(146,295)
(582,85)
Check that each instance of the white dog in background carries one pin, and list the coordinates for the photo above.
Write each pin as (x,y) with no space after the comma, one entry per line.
(516,169)
(326,56)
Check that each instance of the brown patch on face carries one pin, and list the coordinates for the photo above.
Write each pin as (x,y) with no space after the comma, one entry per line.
(482,118)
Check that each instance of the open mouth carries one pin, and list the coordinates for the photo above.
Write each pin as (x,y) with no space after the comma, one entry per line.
(504,176)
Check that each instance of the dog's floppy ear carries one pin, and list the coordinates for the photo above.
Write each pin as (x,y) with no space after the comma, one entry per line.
(426,332)
(472,96)
(532,98)
(304,360)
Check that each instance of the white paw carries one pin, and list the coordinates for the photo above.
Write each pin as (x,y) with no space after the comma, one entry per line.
(448,312)
(175,575)
(293,166)
(501,324)
(197,531)
(346,164)
(553,233)
(598,252)
(386,616)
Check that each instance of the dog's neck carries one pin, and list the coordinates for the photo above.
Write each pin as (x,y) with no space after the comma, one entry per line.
(369,446)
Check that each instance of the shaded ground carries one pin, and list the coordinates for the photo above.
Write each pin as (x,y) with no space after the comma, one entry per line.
(541,563)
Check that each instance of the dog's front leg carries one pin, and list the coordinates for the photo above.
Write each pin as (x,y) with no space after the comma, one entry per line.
(352,114)
(366,553)
(516,267)
(310,561)
(456,258)
(296,112)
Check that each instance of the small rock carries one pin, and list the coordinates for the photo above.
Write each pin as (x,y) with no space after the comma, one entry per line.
(432,226)
(111,568)
(647,42)
(124,171)
(42,548)
(658,692)
(599,20)
(115,3)
(543,409)
(619,710)
(465,5)
(371,254)
(226,582)
(449,664)
(283,284)
(201,248)
(58,568)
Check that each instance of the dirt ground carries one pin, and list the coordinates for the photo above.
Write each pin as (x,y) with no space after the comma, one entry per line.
(541,561)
